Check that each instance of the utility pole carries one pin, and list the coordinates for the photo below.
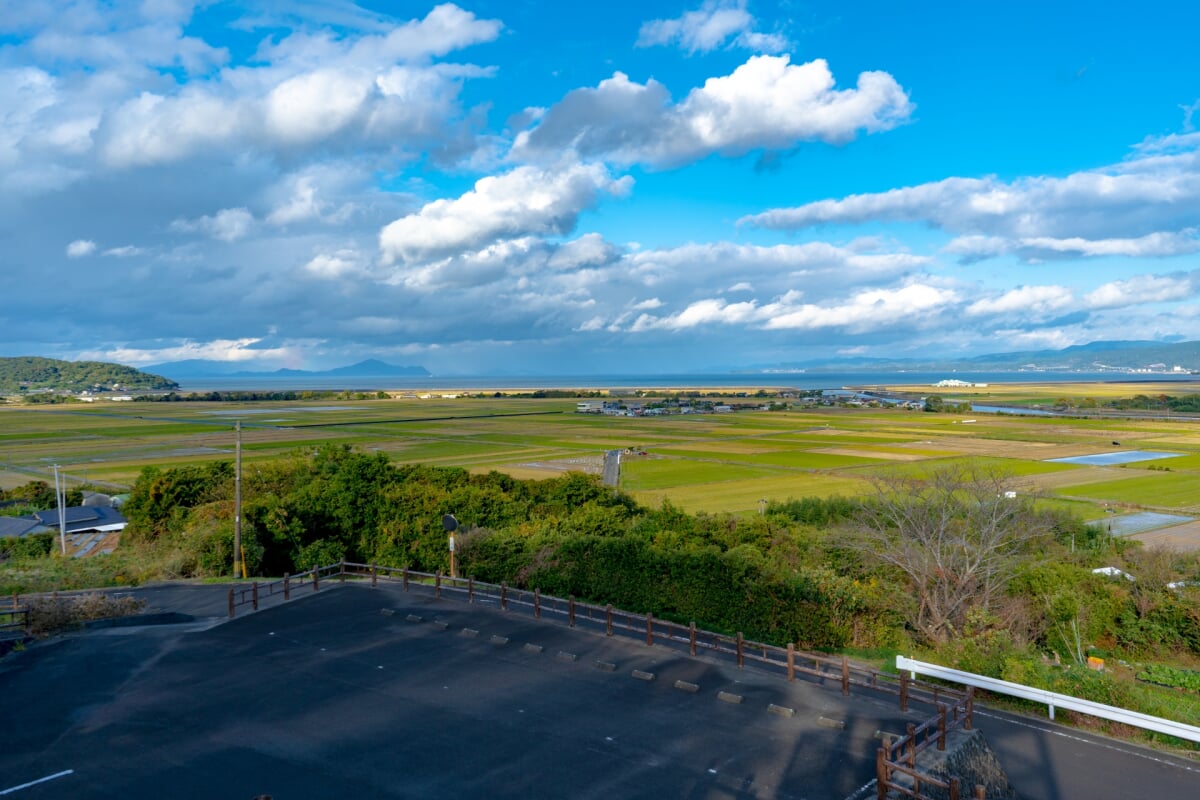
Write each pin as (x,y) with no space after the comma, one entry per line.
(237,505)
(60,493)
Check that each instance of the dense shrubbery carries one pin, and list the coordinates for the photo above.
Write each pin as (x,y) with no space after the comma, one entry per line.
(34,496)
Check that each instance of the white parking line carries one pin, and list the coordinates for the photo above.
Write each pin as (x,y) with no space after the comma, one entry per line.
(12,789)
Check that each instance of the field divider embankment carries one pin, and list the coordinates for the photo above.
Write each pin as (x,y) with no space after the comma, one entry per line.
(424,419)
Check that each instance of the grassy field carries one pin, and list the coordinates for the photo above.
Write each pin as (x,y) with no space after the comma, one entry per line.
(714,462)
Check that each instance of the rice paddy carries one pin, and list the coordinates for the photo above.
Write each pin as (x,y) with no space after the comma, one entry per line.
(727,462)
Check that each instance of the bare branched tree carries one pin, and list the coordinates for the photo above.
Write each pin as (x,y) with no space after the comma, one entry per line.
(957,533)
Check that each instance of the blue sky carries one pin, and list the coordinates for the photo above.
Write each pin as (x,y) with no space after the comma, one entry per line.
(531,187)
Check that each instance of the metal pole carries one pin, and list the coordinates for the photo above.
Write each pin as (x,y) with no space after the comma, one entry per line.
(238,558)
(60,493)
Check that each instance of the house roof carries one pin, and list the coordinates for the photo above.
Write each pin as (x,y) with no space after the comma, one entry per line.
(20,526)
(81,518)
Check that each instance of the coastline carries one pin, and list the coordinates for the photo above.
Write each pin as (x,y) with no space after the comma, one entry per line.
(725,382)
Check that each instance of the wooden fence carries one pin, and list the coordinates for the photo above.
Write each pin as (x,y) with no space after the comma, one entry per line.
(14,622)
(895,761)
(785,660)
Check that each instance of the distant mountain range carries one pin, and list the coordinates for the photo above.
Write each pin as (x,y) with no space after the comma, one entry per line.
(200,368)
(1114,356)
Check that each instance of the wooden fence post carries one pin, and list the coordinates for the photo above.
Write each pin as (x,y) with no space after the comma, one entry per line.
(741,658)
(571,611)
(374,576)
(231,603)
(471,589)
(955,788)
(881,774)
(692,637)
(903,690)
(254,596)
(537,604)
(503,596)
(968,721)
(316,582)
(342,571)
(287,586)
(911,756)
(791,664)
(980,792)
(941,727)
(649,629)
(404,578)
(608,620)
(845,676)
(437,584)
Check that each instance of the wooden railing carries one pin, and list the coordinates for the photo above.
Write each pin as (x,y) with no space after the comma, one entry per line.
(896,761)
(787,661)
(14,621)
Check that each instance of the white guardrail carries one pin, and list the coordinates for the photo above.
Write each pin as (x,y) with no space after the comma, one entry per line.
(1051,699)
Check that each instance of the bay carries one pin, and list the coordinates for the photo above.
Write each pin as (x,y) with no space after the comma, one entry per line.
(726,380)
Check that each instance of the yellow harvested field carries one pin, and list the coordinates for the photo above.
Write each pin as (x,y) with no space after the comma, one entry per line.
(1183,538)
(1078,477)
(1004,448)
(885,455)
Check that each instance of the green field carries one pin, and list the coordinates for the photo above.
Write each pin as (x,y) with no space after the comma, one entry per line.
(712,462)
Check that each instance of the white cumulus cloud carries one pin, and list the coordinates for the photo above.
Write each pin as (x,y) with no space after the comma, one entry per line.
(766,103)
(1146,206)
(228,224)
(80,248)
(523,201)
(713,25)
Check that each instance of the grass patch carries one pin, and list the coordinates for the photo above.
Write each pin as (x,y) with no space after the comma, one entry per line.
(1143,488)
(662,473)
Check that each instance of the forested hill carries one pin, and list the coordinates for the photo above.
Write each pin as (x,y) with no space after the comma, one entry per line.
(26,373)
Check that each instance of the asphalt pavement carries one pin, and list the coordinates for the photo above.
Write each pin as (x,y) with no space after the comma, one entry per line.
(360,692)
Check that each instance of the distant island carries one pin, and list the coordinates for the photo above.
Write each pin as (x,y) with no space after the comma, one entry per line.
(371,368)
(1122,357)
(32,374)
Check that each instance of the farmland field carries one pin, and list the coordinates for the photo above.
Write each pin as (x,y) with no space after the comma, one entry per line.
(700,462)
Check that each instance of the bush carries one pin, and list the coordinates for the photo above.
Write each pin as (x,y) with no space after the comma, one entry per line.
(55,613)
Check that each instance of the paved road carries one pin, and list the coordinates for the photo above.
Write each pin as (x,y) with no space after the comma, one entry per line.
(612,468)
(327,696)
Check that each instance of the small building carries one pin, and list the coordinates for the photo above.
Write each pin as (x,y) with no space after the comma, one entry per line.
(82,519)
